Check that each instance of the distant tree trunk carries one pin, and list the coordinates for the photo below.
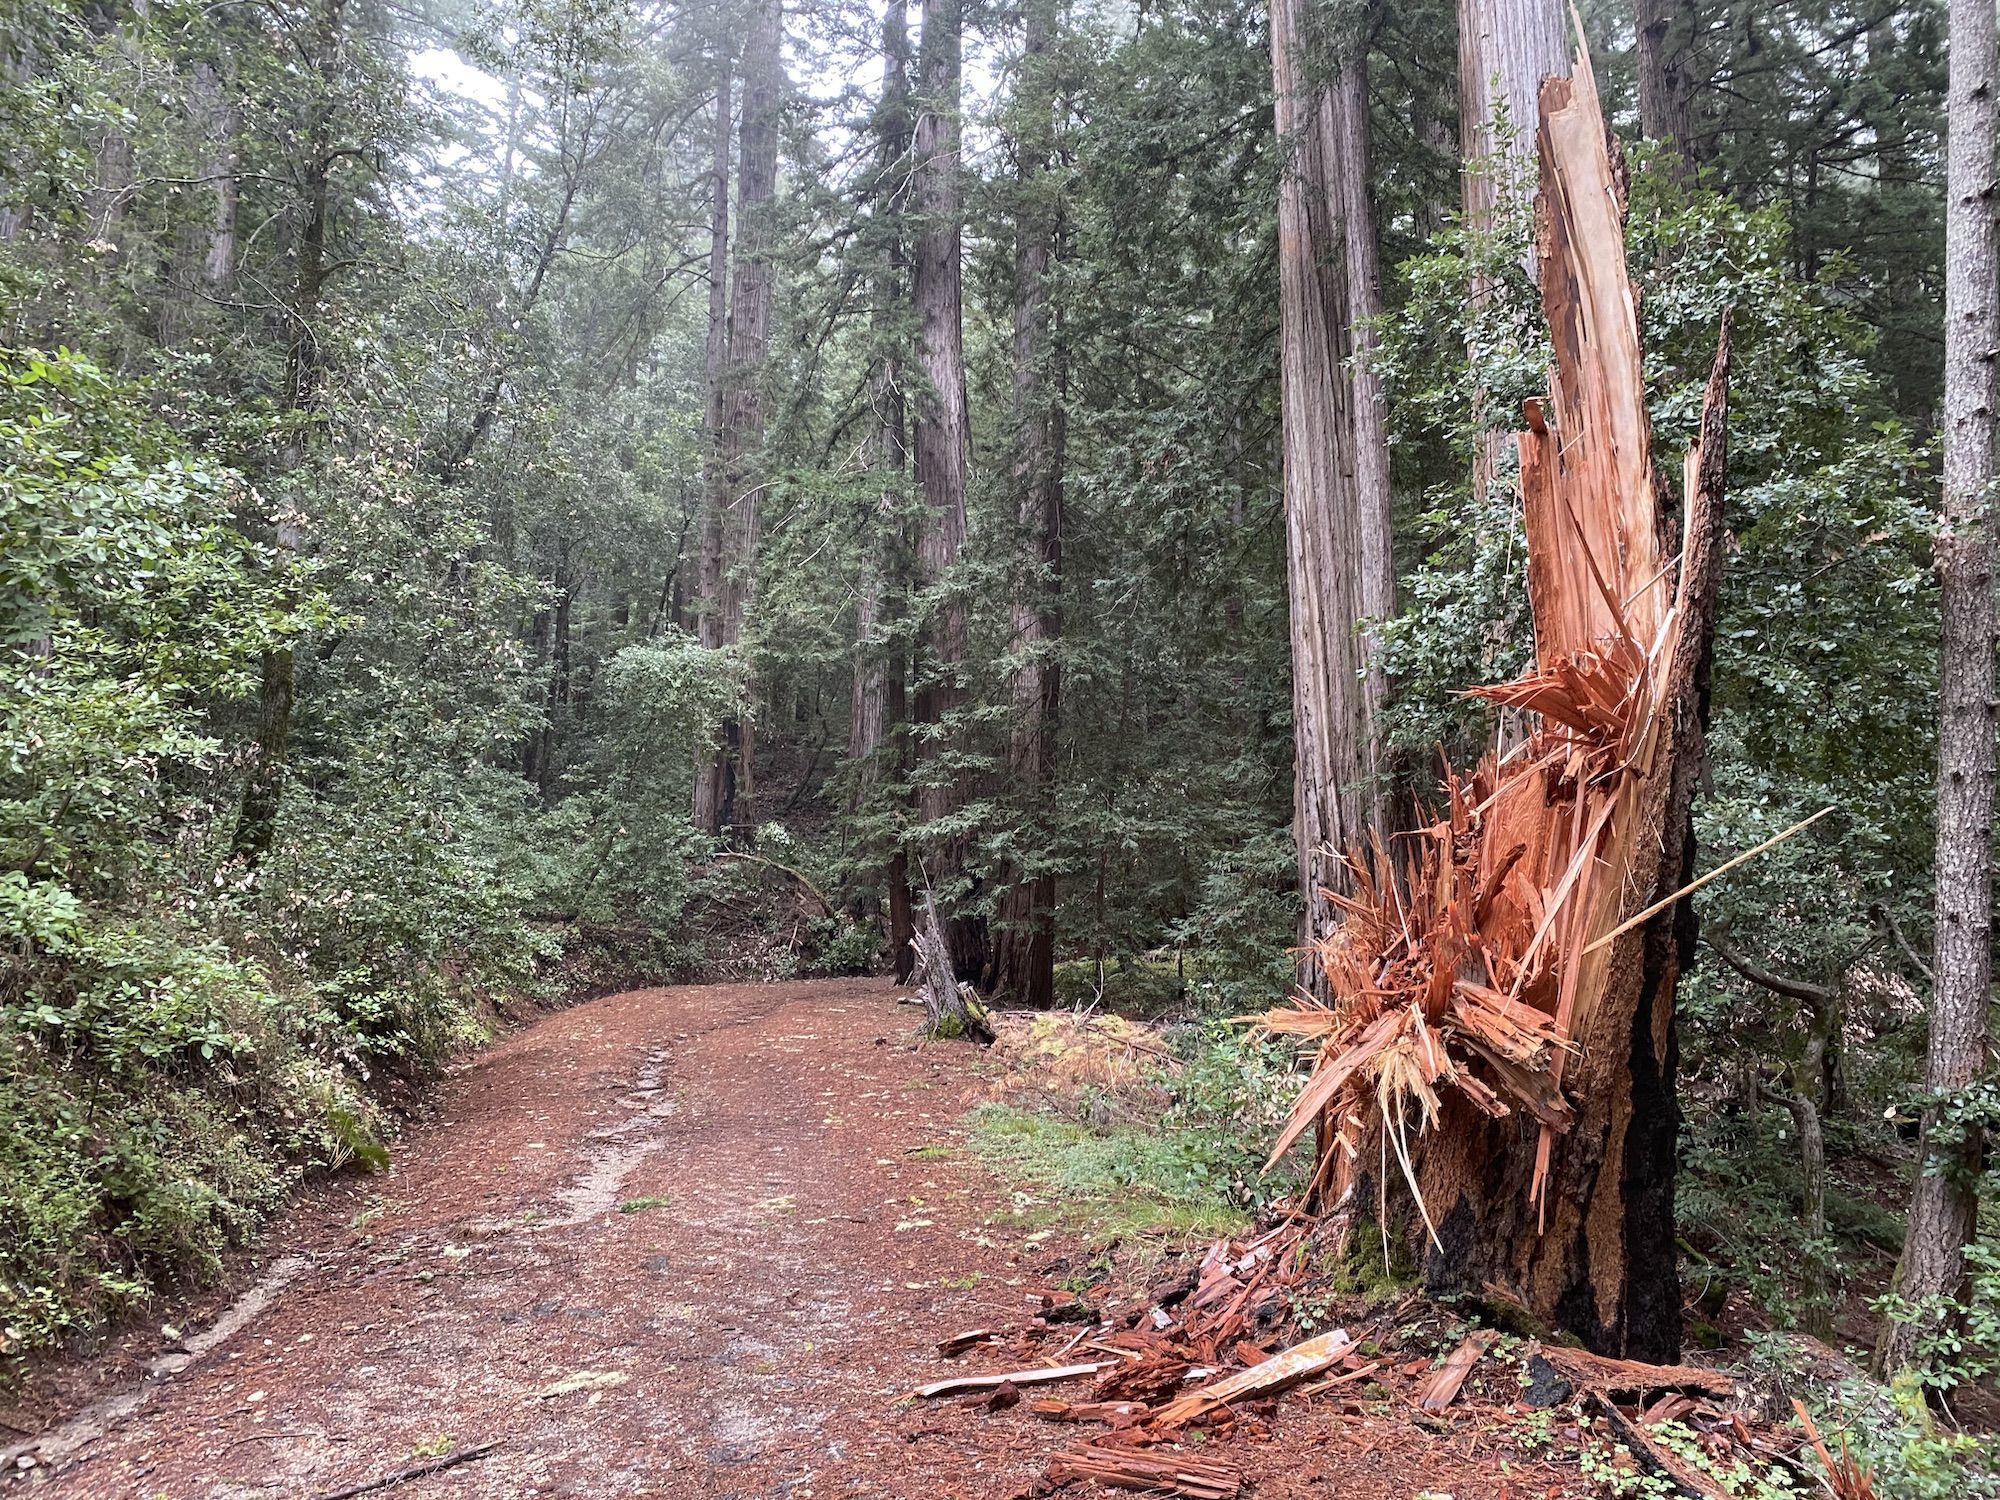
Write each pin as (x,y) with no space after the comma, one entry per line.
(104,201)
(1333,729)
(264,786)
(1024,947)
(714,786)
(1944,1203)
(753,282)
(888,446)
(17,66)
(942,447)
(1505,49)
(204,253)
(880,706)
(1811,1100)
(1348,147)
(1666,90)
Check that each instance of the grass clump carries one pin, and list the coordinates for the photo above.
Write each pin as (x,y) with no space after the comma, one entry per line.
(1116,1180)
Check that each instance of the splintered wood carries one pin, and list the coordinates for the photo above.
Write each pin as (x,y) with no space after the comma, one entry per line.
(1472,957)
(1151,1474)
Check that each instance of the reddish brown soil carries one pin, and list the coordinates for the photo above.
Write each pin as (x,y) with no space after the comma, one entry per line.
(677,1243)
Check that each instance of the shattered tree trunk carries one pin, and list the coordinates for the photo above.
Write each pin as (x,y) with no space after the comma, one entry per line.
(950,1010)
(1500,1015)
(1595,1254)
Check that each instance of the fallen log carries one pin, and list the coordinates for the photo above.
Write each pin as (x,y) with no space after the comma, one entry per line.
(1633,1378)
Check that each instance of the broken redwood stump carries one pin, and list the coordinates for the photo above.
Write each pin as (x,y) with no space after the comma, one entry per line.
(1498,1031)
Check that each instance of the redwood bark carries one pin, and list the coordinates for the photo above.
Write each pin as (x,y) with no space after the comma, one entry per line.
(1024,947)
(1321,201)
(726,772)
(1944,1202)
(888,446)
(880,704)
(1349,143)
(1505,49)
(942,449)
(1666,31)
(711,792)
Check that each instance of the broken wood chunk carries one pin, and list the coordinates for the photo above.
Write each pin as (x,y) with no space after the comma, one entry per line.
(1443,1386)
(1149,1380)
(959,1384)
(1634,1378)
(958,1343)
(1150,1473)
(1273,1375)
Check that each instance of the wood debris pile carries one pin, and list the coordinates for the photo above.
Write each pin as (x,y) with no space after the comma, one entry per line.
(1477,953)
(1214,1349)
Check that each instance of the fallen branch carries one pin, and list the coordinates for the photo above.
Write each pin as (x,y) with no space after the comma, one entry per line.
(800,876)
(1634,1378)
(413,1471)
(1647,1450)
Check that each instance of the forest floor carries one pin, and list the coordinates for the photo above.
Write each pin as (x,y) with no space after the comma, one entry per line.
(691,1242)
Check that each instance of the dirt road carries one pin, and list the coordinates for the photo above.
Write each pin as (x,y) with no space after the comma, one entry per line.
(680,1242)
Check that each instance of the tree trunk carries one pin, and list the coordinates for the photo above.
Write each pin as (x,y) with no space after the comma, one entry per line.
(713,788)
(1505,49)
(942,452)
(888,448)
(204,254)
(877,729)
(1348,146)
(1024,947)
(18,61)
(1334,790)
(1575,1218)
(264,786)
(1666,31)
(1944,1203)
